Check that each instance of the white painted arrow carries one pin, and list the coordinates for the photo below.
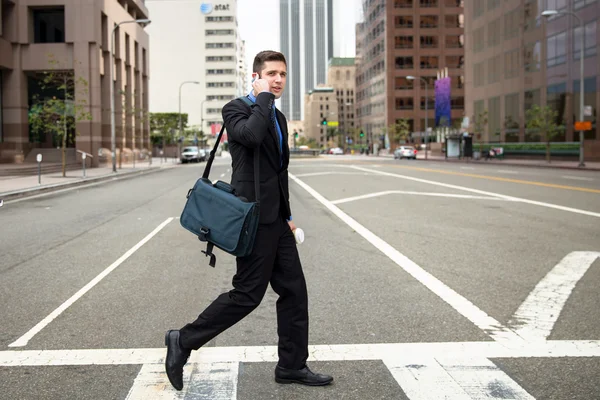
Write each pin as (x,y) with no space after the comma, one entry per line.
(536,317)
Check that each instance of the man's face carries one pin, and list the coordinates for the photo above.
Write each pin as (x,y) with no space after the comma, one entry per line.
(275,72)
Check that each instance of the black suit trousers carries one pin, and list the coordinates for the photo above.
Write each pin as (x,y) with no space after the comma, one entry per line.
(274,260)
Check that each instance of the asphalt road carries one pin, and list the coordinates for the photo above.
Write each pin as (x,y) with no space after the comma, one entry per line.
(427,280)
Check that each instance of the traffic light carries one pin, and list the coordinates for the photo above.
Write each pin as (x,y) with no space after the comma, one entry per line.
(324,122)
(362,134)
(296,135)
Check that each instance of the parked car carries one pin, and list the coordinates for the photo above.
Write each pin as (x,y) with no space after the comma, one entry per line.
(192,154)
(336,150)
(405,152)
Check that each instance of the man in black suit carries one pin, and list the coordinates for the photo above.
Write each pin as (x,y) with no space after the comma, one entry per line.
(274,258)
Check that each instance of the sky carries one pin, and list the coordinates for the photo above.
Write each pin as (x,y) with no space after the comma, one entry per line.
(257,19)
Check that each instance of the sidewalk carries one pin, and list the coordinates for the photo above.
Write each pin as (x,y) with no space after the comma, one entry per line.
(12,187)
(589,166)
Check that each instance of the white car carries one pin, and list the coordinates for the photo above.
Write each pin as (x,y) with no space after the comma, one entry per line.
(336,150)
(192,154)
(405,152)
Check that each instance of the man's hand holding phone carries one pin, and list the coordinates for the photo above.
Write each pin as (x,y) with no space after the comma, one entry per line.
(259,85)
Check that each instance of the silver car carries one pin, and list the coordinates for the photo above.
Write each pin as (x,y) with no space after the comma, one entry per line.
(405,152)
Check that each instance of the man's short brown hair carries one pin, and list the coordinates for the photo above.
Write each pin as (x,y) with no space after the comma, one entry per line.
(264,56)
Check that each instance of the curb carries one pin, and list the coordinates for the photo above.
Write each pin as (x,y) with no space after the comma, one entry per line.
(512,164)
(33,191)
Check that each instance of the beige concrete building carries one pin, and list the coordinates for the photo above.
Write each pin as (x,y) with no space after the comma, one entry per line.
(516,59)
(77,34)
(403,38)
(321,115)
(341,76)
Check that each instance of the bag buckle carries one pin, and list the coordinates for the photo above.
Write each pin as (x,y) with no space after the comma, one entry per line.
(203,234)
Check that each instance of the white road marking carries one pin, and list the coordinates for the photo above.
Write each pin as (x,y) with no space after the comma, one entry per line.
(466,189)
(333,173)
(23,340)
(470,311)
(455,379)
(507,171)
(467,168)
(536,317)
(341,352)
(388,192)
(577,178)
(209,381)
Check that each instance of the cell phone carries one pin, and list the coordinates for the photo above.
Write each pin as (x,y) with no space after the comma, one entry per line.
(254,77)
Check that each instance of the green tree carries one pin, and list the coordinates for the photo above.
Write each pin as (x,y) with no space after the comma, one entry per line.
(310,142)
(400,131)
(61,104)
(163,127)
(480,121)
(543,120)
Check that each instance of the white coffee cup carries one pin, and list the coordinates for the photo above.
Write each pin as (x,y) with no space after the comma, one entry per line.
(299,235)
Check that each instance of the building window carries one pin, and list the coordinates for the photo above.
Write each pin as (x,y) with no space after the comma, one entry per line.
(511,24)
(429,62)
(479,74)
(404,84)
(558,5)
(479,39)
(49,25)
(404,103)
(491,4)
(219,71)
(494,124)
(428,3)
(457,103)
(532,97)
(494,69)
(220,45)
(494,32)
(429,21)
(404,63)
(557,49)
(219,58)
(219,19)
(403,21)
(582,3)
(403,3)
(454,3)
(454,61)
(511,64)
(511,117)
(455,41)
(429,42)
(430,103)
(556,98)
(403,42)
(589,41)
(454,21)
(218,32)
(478,8)
(220,84)
(532,57)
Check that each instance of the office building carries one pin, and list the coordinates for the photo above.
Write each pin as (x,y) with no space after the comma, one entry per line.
(199,42)
(341,76)
(516,58)
(404,38)
(306,39)
(321,106)
(73,35)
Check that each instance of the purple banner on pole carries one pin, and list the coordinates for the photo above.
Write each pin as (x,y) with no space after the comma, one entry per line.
(442,102)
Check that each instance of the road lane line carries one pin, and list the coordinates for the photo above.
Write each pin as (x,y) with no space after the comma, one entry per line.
(388,192)
(470,311)
(507,171)
(332,352)
(201,381)
(455,378)
(466,189)
(577,178)
(332,173)
(536,317)
(23,340)
(498,178)
(467,168)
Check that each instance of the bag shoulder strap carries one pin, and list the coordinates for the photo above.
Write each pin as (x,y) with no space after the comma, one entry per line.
(211,158)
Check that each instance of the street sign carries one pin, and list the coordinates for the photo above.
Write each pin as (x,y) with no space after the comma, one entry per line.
(333,123)
(38,158)
(587,111)
(583,125)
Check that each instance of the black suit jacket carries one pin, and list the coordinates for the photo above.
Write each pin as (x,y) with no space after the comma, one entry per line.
(249,128)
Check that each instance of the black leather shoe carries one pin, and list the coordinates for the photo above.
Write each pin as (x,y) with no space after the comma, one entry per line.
(177,356)
(303,376)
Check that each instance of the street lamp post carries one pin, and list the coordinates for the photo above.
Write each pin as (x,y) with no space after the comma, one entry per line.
(113,150)
(202,116)
(548,14)
(180,121)
(411,78)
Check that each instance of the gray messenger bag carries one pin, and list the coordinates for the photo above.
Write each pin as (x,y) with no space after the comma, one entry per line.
(218,216)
